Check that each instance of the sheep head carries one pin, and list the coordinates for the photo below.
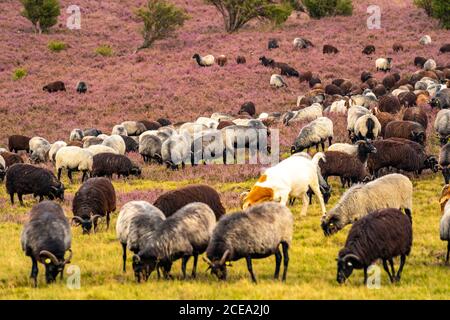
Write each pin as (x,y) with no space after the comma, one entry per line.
(345,265)
(53,266)
(218,267)
(143,267)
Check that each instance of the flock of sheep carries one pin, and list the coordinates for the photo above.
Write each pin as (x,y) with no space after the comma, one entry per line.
(386,123)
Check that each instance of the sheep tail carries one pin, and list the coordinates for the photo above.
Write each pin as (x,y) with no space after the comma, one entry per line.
(317,157)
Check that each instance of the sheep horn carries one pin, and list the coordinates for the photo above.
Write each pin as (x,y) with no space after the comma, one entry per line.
(69,258)
(78,219)
(351,255)
(207,261)
(136,258)
(50,255)
(224,257)
(94,218)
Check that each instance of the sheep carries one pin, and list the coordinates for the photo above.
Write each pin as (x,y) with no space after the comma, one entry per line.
(76,135)
(95,198)
(287,70)
(266,62)
(240,60)
(273,44)
(116,142)
(314,81)
(366,127)
(444,225)
(209,146)
(328,49)
(313,134)
(430,64)
(91,132)
(302,43)
(419,61)
(390,191)
(135,221)
(184,234)
(277,81)
(407,99)
(93,141)
(350,149)
(339,106)
(54,87)
(350,168)
(312,112)
(130,144)
(107,164)
(81,87)
(425,40)
(332,89)
(150,148)
(253,234)
(164,122)
(10,158)
(248,107)
(383,234)
(37,143)
(208,122)
(401,154)
(171,201)
(369,49)
(407,130)
(222,60)
(133,128)
(444,162)
(397,47)
(291,177)
(384,118)
(119,130)
(98,148)
(73,159)
(150,125)
(353,114)
(2,168)
(25,179)
(383,64)
(41,154)
(416,114)
(175,151)
(55,148)
(45,238)
(365,75)
(305,76)
(18,143)
(389,103)
(205,61)
(441,100)
(445,48)
(389,82)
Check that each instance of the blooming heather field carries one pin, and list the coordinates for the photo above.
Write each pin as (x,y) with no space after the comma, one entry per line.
(164,81)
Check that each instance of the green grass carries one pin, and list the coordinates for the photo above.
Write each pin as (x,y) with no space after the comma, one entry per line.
(104,50)
(56,46)
(19,73)
(312,268)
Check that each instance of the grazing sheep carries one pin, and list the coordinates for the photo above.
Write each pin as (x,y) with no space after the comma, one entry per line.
(302,43)
(419,61)
(350,149)
(175,151)
(277,81)
(136,221)
(248,107)
(390,191)
(287,70)
(332,89)
(366,127)
(10,158)
(389,82)
(73,159)
(441,100)
(222,60)
(266,62)
(184,234)
(445,48)
(306,114)
(407,130)
(314,134)
(45,238)
(95,198)
(305,76)
(369,49)
(253,234)
(383,234)
(241,60)
(425,40)
(365,75)
(397,47)
(92,132)
(134,128)
(27,179)
(93,141)
(384,118)
(383,64)
(315,80)
(54,149)
(99,148)
(430,64)
(164,122)
(81,87)
(76,135)
(407,99)
(273,44)
(116,142)
(150,125)
(130,144)
(339,106)
(171,201)
(444,162)
(445,220)
(119,130)
(389,103)
(205,61)
(328,49)
(107,164)
(18,143)
(416,114)
(54,87)
(353,114)
(150,148)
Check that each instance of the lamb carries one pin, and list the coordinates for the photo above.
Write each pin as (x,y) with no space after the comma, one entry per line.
(430,64)
(76,135)
(444,162)
(92,132)
(119,130)
(54,87)
(390,191)
(205,61)
(416,114)
(81,87)
(253,234)
(445,48)
(441,100)
(136,221)
(389,103)
(18,143)
(425,40)
(277,81)
(10,158)
(95,198)
(240,60)
(248,107)
(150,148)
(407,130)
(366,127)
(369,49)
(73,159)
(55,148)
(99,148)
(383,234)
(133,128)
(328,49)
(312,112)
(184,234)
(383,64)
(171,201)
(222,60)
(273,44)
(291,177)
(107,164)
(313,134)
(175,151)
(444,225)
(27,179)
(130,144)
(45,238)
(116,142)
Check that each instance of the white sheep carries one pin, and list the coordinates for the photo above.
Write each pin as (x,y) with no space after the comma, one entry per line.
(39,148)
(104,136)
(219,116)
(76,135)
(118,129)
(367,127)
(310,113)
(300,43)
(176,150)
(116,142)
(134,128)
(55,148)
(99,148)
(339,106)
(383,64)
(429,65)
(73,159)
(37,142)
(350,149)
(210,123)
(205,61)
(353,114)
(425,40)
(277,81)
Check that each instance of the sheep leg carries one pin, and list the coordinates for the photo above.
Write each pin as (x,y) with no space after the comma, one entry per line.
(448,252)
(305,203)
(250,268)
(194,267)
(183,265)
(385,266)
(84,176)
(20,199)
(323,145)
(11,195)
(277,263)
(61,277)
(400,269)
(285,259)
(107,221)
(124,256)
(365,276)
(69,174)
(59,174)
(316,189)
(34,271)
(391,262)
(329,141)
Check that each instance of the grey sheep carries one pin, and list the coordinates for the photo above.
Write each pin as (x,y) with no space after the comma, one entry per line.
(442,99)
(444,162)
(76,135)
(150,148)
(442,125)
(175,151)
(314,134)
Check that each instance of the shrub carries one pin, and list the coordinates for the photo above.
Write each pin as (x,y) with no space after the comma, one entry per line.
(439,9)
(237,13)
(322,8)
(427,5)
(161,19)
(104,50)
(43,14)
(56,46)
(19,73)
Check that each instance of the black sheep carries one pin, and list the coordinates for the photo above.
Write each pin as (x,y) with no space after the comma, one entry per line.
(419,61)
(266,62)
(389,103)
(407,130)
(407,99)
(46,237)
(383,234)
(313,81)
(24,179)
(389,81)
(445,48)
(151,125)
(328,49)
(11,158)
(164,122)
(369,49)
(107,164)
(286,70)
(248,107)
(333,89)
(365,75)
(54,87)
(130,144)
(96,198)
(240,60)
(18,143)
(171,201)
(82,87)
(273,44)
